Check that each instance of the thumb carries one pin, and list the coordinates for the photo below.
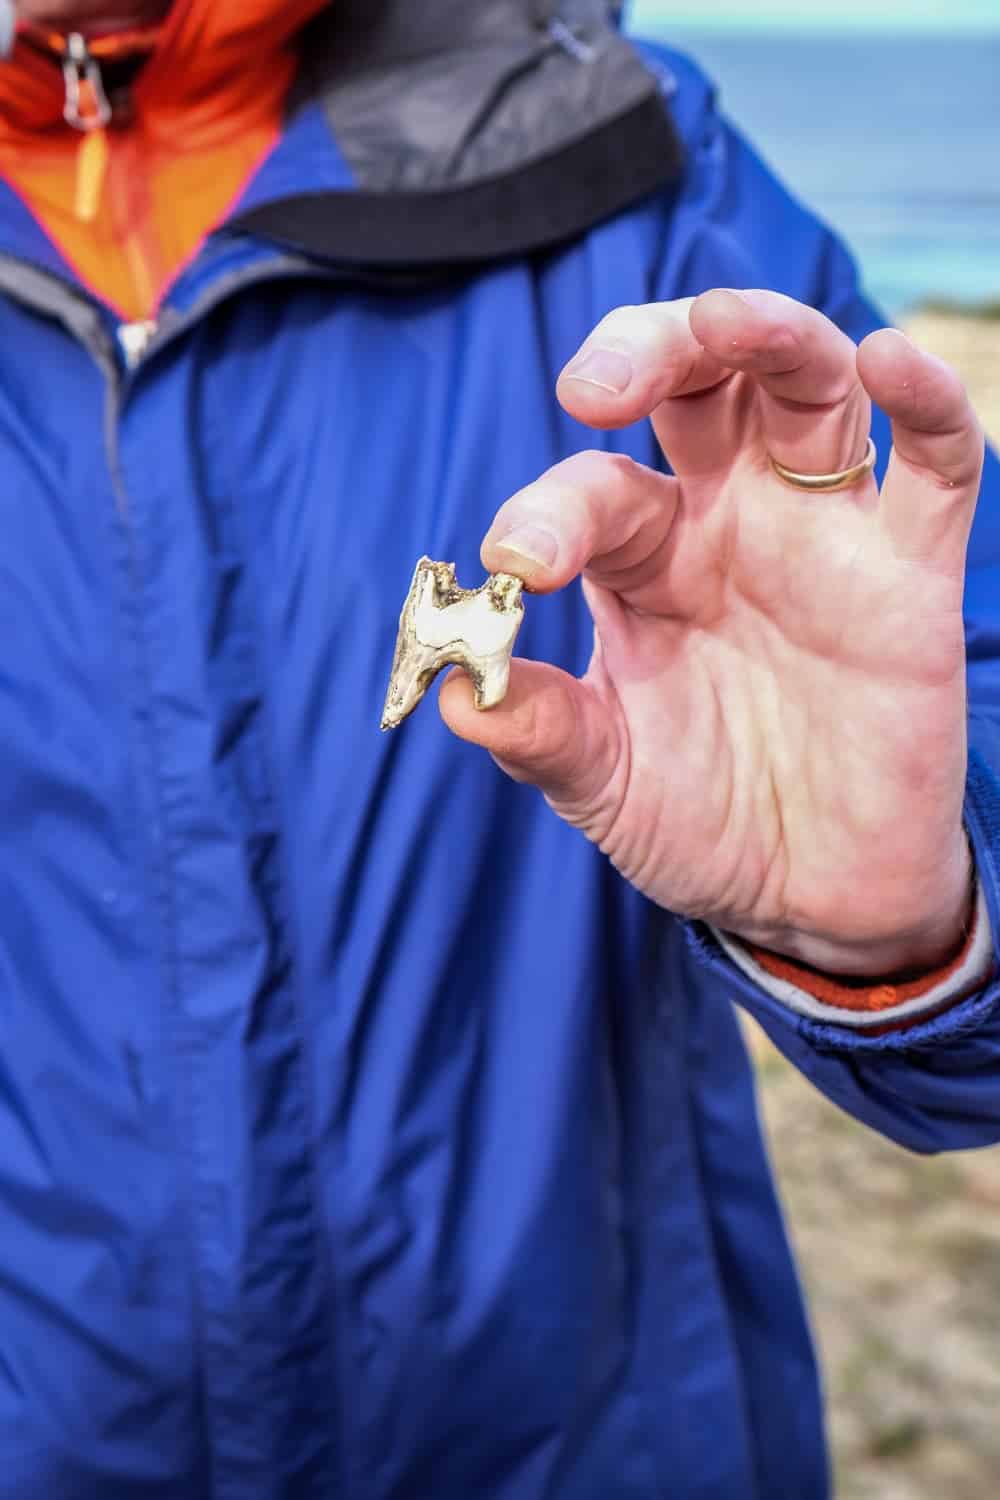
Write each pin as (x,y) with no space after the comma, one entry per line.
(551,730)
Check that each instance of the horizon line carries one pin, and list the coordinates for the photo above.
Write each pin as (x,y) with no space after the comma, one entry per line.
(826,25)
(825,28)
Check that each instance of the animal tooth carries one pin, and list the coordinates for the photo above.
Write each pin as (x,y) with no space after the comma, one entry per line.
(442,624)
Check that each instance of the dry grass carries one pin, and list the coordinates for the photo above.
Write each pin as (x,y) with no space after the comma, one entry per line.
(900,1254)
(901,1259)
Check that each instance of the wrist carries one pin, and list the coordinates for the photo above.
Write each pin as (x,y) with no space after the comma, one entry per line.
(906,949)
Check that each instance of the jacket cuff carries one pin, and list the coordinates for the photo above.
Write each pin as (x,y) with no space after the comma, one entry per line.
(873,1007)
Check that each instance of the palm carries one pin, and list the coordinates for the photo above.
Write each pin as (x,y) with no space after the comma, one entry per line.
(782,704)
(771,733)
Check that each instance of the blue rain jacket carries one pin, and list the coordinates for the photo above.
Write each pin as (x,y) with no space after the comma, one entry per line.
(362,1135)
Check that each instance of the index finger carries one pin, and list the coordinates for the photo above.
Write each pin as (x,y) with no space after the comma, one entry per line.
(646,362)
(634,359)
(599,514)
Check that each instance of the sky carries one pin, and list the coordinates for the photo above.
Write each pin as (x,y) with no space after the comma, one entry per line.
(817,15)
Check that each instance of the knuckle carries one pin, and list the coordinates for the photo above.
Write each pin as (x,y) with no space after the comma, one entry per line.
(578,469)
(623,313)
(934,398)
(963,474)
(845,389)
(593,472)
(644,324)
(616,329)
(545,732)
(620,471)
(951,462)
(923,400)
(656,336)
(532,735)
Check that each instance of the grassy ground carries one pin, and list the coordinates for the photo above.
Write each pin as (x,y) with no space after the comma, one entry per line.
(900,1254)
(901,1260)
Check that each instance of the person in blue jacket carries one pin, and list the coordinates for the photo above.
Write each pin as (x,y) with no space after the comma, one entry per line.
(374,1124)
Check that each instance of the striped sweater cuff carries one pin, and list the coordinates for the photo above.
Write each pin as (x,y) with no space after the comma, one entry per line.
(881,1005)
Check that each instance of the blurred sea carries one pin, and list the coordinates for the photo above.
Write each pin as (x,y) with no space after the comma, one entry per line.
(895,140)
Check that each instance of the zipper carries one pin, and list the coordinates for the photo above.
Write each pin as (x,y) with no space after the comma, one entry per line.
(135,339)
(87,106)
(102,180)
(568,38)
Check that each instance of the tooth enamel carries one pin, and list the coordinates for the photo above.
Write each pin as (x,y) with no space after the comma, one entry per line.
(443,624)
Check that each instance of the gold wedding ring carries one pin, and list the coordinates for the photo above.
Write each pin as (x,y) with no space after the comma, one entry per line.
(824,483)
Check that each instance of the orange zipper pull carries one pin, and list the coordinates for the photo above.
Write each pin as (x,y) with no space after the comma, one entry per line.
(91,171)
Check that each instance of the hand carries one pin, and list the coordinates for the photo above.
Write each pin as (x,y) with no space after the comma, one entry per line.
(771,733)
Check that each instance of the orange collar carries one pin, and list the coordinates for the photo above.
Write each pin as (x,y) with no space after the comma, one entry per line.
(204,68)
(109,48)
(129,205)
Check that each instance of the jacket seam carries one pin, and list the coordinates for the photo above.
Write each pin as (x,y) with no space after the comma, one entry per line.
(322,1237)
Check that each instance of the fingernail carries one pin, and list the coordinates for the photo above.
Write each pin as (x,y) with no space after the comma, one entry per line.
(607,368)
(535,544)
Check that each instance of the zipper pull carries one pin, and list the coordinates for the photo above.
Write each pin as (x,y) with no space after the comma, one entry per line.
(87,105)
(91,170)
(8,27)
(570,41)
(87,109)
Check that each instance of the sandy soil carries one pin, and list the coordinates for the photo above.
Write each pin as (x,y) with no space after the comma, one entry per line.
(900,1254)
(901,1260)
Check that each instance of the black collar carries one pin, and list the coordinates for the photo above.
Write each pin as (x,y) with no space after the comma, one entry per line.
(475,130)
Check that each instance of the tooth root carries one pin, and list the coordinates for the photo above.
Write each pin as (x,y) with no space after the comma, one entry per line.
(443,624)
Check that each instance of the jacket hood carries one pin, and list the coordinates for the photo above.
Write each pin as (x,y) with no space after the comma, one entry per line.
(474,131)
(441,94)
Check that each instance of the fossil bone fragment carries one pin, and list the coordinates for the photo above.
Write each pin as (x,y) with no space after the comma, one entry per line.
(443,624)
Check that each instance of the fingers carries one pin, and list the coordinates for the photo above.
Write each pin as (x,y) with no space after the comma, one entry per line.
(646,362)
(675,362)
(750,374)
(596,513)
(814,412)
(635,358)
(550,729)
(930,489)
